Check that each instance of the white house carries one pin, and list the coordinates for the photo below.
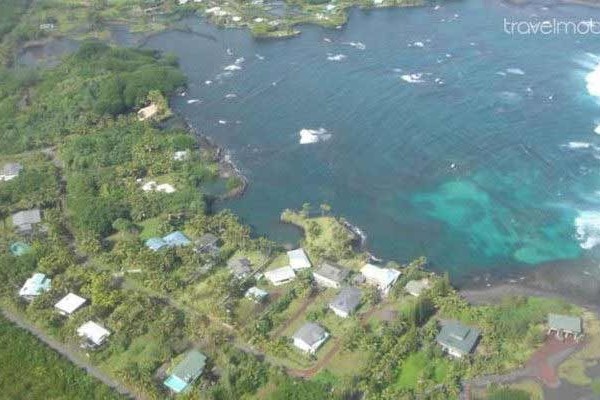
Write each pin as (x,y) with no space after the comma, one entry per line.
(281,275)
(383,278)
(298,259)
(310,337)
(69,304)
(10,171)
(94,334)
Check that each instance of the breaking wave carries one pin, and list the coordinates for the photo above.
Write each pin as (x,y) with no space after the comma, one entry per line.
(587,224)
(308,136)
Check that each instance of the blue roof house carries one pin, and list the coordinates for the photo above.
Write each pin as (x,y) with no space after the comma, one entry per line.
(176,239)
(186,372)
(155,243)
(34,286)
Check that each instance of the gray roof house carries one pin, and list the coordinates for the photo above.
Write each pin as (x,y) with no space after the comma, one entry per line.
(457,339)
(310,337)
(207,243)
(565,325)
(346,301)
(330,275)
(10,171)
(240,267)
(24,221)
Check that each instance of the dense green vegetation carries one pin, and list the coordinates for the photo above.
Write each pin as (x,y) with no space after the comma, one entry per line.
(30,370)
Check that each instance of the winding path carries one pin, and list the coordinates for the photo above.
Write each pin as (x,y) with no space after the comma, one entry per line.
(70,354)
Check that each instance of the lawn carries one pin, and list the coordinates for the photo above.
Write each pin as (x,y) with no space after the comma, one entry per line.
(31,371)
(416,365)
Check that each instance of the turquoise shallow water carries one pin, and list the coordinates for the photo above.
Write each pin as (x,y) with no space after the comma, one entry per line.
(485,161)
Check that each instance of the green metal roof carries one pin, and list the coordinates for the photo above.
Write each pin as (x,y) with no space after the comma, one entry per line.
(459,337)
(565,323)
(190,368)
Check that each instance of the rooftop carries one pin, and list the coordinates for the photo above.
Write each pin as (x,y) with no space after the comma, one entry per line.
(175,239)
(11,169)
(256,293)
(35,285)
(187,370)
(458,337)
(347,300)
(280,274)
(310,333)
(383,276)
(565,323)
(27,217)
(70,303)
(333,272)
(298,259)
(93,332)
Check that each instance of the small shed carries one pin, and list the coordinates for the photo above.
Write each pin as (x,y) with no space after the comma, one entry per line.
(10,171)
(35,286)
(457,339)
(298,259)
(24,221)
(257,295)
(93,334)
(310,337)
(564,326)
(186,371)
(281,275)
(346,302)
(69,304)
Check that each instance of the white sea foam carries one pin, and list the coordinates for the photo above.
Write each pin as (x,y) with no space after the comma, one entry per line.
(597,130)
(308,136)
(587,225)
(239,61)
(208,82)
(232,67)
(578,145)
(416,44)
(222,122)
(230,96)
(515,71)
(413,78)
(259,56)
(593,81)
(356,45)
(336,57)
(193,101)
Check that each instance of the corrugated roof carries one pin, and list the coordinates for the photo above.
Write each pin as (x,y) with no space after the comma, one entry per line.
(35,285)
(565,323)
(190,368)
(70,303)
(176,238)
(333,272)
(383,276)
(298,259)
(27,217)
(347,300)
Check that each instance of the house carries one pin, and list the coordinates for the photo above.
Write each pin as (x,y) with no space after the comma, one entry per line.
(174,239)
(181,155)
(415,287)
(239,267)
(24,221)
(564,326)
(208,243)
(281,275)
(457,339)
(255,294)
(35,286)
(69,304)
(310,337)
(346,302)
(186,371)
(298,259)
(93,334)
(10,171)
(330,275)
(383,278)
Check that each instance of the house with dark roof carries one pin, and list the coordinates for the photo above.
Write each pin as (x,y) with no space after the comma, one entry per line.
(207,244)
(330,275)
(457,339)
(186,371)
(346,302)
(239,267)
(564,326)
(10,171)
(24,221)
(310,337)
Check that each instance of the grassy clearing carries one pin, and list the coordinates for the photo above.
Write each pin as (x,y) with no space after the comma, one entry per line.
(418,364)
(574,368)
(31,371)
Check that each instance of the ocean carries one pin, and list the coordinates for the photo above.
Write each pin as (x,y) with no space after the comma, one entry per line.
(433,129)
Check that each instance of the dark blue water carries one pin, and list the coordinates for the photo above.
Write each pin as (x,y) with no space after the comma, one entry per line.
(472,165)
